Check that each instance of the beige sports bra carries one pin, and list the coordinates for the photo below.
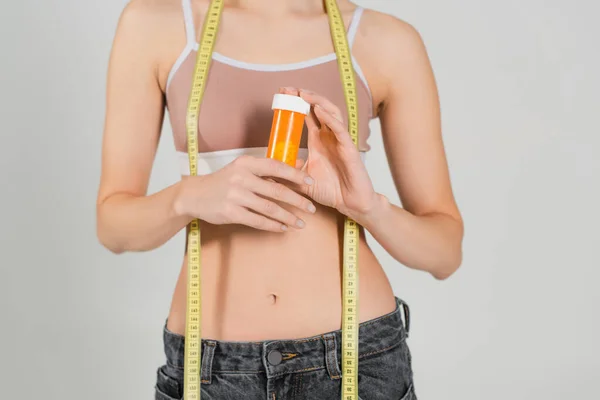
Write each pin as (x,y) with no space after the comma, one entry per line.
(246,91)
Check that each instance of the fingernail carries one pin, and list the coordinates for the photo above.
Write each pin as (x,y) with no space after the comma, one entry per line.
(311,207)
(309,180)
(306,91)
(284,227)
(288,88)
(300,223)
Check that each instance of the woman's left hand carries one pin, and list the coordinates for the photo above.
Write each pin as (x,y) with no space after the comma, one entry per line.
(340,178)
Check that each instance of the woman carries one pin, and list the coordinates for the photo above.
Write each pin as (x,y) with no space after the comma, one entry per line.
(271,238)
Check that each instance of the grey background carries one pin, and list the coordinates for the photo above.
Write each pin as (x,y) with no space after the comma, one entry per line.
(519,87)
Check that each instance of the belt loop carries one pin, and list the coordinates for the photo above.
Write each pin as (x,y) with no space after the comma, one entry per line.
(406,318)
(208,354)
(331,359)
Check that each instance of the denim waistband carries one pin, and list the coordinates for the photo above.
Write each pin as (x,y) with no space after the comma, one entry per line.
(279,357)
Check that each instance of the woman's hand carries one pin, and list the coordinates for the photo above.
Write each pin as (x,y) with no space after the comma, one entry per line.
(239,194)
(334,162)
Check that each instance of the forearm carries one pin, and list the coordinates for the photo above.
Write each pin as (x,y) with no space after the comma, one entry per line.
(139,223)
(431,242)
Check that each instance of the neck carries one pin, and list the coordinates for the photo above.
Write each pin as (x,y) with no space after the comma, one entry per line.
(279,6)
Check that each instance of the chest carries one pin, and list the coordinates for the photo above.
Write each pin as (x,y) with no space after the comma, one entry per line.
(236,110)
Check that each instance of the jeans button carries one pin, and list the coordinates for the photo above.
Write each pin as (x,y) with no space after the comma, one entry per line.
(274,357)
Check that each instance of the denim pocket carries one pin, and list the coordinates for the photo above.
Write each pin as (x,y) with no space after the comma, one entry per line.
(386,374)
(167,387)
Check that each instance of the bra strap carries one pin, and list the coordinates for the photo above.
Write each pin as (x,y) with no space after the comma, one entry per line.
(188,17)
(353,28)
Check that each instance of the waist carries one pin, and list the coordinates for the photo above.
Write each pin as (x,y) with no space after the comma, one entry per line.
(276,357)
(258,285)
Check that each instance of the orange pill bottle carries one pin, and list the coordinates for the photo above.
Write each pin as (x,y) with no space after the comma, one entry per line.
(289,112)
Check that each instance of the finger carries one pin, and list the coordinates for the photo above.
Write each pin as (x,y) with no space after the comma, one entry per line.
(338,128)
(289,90)
(318,100)
(271,210)
(312,123)
(245,217)
(282,193)
(268,167)
(304,189)
(300,163)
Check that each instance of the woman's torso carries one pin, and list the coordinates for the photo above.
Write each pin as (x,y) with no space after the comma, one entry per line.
(258,285)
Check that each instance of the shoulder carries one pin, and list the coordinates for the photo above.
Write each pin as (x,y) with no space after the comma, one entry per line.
(147,21)
(142,14)
(151,32)
(392,47)
(388,36)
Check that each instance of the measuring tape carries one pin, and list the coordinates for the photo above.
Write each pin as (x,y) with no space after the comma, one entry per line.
(193,336)
(350,275)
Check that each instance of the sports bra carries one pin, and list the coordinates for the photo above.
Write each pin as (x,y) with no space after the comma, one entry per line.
(245,92)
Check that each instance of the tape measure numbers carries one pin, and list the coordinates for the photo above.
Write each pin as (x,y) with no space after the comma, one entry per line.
(193,334)
(350,317)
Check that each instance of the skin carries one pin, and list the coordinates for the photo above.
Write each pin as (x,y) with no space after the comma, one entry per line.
(254,207)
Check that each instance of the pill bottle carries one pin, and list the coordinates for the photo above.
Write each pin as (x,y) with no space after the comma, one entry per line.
(289,112)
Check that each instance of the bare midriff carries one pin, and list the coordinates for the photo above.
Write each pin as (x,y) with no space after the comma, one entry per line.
(259,285)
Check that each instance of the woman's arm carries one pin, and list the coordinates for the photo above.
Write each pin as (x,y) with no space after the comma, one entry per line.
(427,232)
(127,219)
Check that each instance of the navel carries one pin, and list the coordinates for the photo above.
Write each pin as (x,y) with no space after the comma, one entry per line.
(272,298)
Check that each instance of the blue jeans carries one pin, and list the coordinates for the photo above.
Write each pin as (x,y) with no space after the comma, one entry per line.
(299,369)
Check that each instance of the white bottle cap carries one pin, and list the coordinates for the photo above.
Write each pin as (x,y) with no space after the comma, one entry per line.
(291,103)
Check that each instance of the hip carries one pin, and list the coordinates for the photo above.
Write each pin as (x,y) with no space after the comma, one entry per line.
(297,369)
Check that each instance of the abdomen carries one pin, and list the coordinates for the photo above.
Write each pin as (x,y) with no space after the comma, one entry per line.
(258,285)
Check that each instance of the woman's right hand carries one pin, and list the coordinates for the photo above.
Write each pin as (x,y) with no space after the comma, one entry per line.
(241,193)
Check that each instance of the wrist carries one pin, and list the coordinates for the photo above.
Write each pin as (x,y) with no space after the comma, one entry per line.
(179,205)
(375,212)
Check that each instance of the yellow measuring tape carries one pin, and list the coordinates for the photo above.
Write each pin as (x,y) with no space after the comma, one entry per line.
(350,275)
(193,335)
